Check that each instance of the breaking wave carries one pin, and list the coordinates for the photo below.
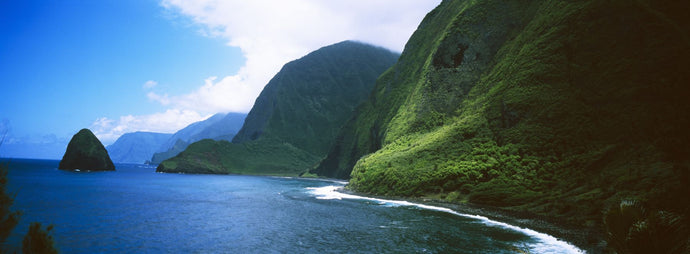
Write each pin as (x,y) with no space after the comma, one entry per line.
(545,243)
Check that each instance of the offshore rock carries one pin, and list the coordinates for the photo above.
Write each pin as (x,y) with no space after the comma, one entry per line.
(86,152)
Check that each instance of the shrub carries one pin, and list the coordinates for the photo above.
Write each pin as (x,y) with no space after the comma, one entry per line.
(8,218)
(631,228)
(38,240)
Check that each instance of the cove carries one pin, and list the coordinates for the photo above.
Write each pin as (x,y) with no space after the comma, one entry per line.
(137,210)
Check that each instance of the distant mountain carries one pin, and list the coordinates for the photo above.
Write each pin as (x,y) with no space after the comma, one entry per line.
(297,115)
(48,147)
(136,147)
(217,127)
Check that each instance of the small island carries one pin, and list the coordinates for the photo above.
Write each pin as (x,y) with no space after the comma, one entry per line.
(86,152)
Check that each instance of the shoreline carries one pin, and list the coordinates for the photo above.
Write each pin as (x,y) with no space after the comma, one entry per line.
(588,239)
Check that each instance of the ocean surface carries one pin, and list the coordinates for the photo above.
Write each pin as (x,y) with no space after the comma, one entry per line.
(135,210)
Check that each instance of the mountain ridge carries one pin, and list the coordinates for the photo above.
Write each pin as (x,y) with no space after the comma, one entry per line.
(136,147)
(296,115)
(220,126)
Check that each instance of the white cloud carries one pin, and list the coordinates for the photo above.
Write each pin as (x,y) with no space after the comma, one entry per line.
(150,84)
(108,130)
(226,95)
(269,34)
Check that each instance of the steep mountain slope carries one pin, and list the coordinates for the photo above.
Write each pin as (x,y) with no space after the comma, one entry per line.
(296,116)
(218,127)
(559,108)
(136,147)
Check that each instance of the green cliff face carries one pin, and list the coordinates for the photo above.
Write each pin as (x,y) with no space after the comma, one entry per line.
(441,62)
(85,152)
(296,117)
(559,108)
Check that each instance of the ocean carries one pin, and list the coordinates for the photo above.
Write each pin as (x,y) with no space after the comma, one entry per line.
(136,210)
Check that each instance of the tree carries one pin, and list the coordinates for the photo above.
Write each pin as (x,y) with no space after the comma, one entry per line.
(8,218)
(631,228)
(38,240)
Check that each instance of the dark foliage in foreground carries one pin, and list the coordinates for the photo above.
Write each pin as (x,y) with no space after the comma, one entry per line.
(8,218)
(38,240)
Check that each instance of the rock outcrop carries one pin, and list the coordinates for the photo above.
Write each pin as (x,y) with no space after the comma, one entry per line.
(86,152)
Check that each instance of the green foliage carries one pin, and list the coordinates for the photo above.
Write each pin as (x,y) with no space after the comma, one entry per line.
(38,240)
(421,164)
(259,157)
(631,228)
(556,108)
(372,126)
(308,101)
(8,218)
(296,117)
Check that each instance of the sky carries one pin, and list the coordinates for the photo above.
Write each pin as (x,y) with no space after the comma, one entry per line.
(119,66)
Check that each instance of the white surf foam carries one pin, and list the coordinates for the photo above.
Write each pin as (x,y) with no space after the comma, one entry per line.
(546,244)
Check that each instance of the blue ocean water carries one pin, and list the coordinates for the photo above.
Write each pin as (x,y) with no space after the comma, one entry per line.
(135,210)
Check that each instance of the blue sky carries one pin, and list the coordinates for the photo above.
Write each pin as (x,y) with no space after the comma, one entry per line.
(118,66)
(63,64)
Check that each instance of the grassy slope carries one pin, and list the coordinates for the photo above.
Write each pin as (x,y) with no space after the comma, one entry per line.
(583,103)
(297,115)
(261,157)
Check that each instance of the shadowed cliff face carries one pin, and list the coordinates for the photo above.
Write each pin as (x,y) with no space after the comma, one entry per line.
(556,108)
(309,99)
(297,115)
(85,152)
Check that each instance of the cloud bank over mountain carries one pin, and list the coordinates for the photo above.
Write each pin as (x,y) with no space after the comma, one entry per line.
(269,34)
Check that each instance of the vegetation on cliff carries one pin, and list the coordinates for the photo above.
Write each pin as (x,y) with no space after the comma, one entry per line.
(296,117)
(558,108)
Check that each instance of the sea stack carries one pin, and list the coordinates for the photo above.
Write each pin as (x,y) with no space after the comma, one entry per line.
(86,152)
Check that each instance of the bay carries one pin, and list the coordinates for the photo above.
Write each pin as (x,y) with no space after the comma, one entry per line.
(135,210)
